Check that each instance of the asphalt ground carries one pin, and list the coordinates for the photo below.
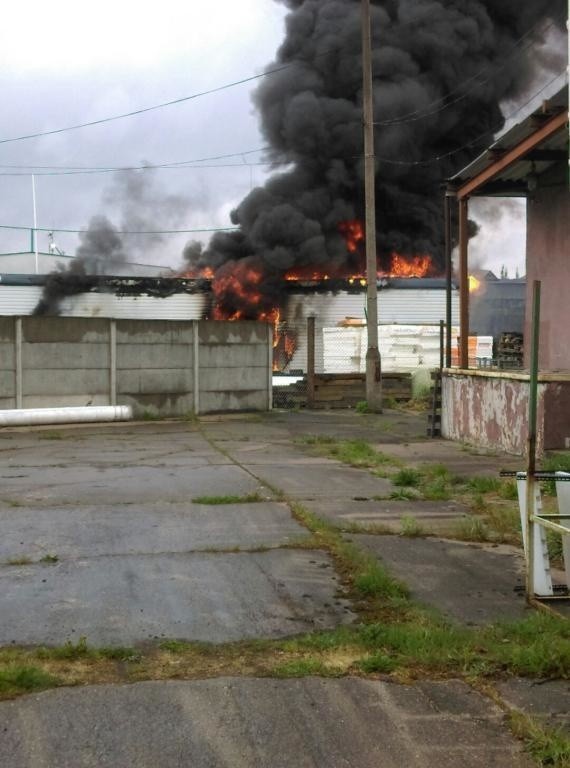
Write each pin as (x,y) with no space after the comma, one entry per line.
(105,534)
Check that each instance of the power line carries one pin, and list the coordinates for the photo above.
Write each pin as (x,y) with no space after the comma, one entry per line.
(178,167)
(420,114)
(172,164)
(437,158)
(163,104)
(123,232)
(152,108)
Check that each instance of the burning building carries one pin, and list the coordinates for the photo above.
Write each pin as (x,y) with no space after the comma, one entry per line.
(441,71)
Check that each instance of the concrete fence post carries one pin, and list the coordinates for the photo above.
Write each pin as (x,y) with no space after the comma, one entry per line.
(196,364)
(113,362)
(18,366)
(311,362)
(269,366)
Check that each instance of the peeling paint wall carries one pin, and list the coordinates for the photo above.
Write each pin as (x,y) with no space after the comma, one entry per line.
(490,412)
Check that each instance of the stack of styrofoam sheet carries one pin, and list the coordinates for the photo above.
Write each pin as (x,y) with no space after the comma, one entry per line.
(402,348)
(342,350)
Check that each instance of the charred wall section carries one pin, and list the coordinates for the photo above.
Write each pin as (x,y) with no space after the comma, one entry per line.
(160,367)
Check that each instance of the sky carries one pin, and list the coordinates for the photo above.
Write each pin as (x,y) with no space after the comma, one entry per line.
(69,66)
(64,62)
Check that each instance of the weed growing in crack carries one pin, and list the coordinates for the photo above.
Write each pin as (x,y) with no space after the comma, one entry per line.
(251,498)
(471,528)
(411,527)
(407,478)
(15,679)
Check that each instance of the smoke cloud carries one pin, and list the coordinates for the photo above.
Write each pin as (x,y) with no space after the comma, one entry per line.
(441,70)
(140,204)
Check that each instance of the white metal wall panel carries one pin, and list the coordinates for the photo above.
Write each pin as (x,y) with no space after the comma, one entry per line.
(179,306)
(22,300)
(19,299)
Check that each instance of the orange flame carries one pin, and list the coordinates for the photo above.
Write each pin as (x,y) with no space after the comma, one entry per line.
(207,273)
(409,266)
(353,233)
(474,284)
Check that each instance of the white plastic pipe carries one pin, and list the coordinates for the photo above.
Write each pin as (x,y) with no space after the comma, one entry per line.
(18,417)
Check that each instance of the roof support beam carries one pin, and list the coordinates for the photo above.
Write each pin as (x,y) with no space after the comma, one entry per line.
(510,157)
(464,283)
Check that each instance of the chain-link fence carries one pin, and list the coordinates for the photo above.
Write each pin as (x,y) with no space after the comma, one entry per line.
(290,365)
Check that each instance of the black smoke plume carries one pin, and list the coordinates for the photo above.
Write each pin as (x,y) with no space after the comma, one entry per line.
(142,205)
(100,253)
(441,70)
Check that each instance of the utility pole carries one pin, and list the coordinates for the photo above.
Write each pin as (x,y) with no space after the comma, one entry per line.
(373,368)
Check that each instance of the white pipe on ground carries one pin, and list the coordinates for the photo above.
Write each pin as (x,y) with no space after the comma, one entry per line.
(19,417)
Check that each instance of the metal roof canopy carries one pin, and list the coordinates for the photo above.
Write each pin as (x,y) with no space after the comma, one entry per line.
(532,146)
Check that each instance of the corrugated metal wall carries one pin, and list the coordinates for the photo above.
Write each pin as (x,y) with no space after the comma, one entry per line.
(22,300)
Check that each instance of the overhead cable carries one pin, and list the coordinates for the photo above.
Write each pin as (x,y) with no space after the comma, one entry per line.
(121,231)
(444,155)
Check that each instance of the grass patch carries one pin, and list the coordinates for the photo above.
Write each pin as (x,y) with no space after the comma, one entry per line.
(362,407)
(437,470)
(306,667)
(355,453)
(19,561)
(50,436)
(437,490)
(68,650)
(71,651)
(251,498)
(509,491)
(50,559)
(548,746)
(555,462)
(374,581)
(16,679)
(414,641)
(362,571)
(408,478)
(378,662)
(504,521)
(538,646)
(403,494)
(555,546)
(471,528)
(411,527)
(484,484)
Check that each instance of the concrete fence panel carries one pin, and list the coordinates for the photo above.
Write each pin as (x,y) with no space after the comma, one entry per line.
(160,367)
(8,362)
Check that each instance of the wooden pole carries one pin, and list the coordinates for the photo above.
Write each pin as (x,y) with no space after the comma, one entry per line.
(448,275)
(373,365)
(464,283)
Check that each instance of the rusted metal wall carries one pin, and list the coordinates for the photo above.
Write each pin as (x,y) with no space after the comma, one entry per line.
(489,411)
(548,247)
